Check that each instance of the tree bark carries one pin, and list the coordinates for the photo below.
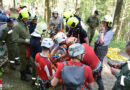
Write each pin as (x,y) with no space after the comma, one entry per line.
(122,20)
(14,4)
(77,7)
(1,3)
(47,13)
(94,6)
(117,16)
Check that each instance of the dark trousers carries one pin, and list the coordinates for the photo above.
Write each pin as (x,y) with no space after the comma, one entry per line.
(101,52)
(91,32)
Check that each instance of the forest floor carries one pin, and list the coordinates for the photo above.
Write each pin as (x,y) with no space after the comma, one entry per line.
(11,79)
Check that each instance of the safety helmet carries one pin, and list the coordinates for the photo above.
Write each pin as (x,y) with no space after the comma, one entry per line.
(72,22)
(21,5)
(40,27)
(67,15)
(55,11)
(24,13)
(107,18)
(33,16)
(60,37)
(76,49)
(47,42)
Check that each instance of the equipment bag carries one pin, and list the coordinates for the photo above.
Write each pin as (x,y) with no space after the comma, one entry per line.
(73,77)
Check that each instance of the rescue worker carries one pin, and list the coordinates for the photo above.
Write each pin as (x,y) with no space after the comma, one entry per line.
(35,46)
(77,30)
(43,64)
(102,42)
(11,46)
(22,37)
(123,77)
(68,15)
(36,37)
(75,51)
(93,23)
(56,23)
(90,59)
(21,7)
(32,23)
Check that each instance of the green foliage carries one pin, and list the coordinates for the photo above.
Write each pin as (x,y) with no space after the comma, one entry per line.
(118,44)
(29,1)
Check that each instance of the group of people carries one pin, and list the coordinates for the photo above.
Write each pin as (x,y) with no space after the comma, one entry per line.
(66,57)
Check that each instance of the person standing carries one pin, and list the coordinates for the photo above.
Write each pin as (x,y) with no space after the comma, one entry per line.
(11,46)
(22,37)
(43,64)
(102,42)
(123,77)
(56,23)
(92,22)
(32,23)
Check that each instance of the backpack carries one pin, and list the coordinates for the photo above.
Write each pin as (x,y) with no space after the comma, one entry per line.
(73,77)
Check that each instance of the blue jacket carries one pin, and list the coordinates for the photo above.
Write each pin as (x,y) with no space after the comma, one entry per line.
(31,26)
(3,18)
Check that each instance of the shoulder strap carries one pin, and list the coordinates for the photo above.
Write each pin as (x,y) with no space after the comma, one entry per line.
(65,63)
(83,66)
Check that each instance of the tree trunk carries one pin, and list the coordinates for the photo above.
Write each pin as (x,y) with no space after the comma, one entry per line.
(117,16)
(77,6)
(47,13)
(1,3)
(122,20)
(94,6)
(14,4)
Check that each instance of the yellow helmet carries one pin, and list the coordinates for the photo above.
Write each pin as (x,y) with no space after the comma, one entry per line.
(72,22)
(67,15)
(107,18)
(21,5)
(24,13)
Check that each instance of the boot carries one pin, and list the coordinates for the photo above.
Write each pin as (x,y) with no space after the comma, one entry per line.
(17,61)
(12,65)
(29,69)
(24,76)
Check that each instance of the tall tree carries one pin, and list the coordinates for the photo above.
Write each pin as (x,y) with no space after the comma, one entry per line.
(1,3)
(47,13)
(77,6)
(122,20)
(94,6)
(14,4)
(116,21)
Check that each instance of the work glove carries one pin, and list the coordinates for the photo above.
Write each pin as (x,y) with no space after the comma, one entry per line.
(27,41)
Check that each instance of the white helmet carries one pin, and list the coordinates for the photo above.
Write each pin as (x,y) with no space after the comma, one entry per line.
(60,37)
(34,16)
(76,49)
(47,42)
(55,11)
(40,27)
(107,18)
